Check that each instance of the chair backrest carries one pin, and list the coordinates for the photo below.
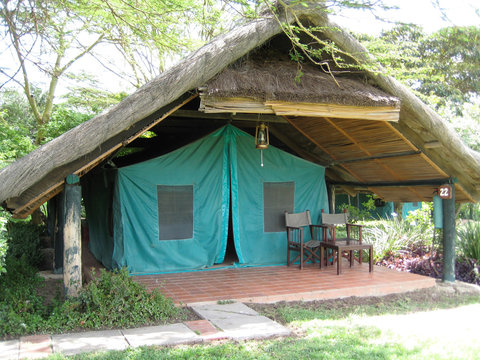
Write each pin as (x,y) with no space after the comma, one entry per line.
(298,219)
(334,219)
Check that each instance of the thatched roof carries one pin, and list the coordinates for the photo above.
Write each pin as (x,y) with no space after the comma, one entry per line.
(272,79)
(420,133)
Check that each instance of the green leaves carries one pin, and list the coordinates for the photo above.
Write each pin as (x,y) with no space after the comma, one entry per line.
(469,240)
(110,300)
(3,241)
(51,36)
(390,237)
(113,299)
(19,129)
(444,67)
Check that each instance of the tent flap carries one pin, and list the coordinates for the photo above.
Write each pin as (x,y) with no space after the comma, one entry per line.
(283,177)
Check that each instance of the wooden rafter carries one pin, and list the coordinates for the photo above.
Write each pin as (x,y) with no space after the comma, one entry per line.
(427,159)
(378,161)
(295,147)
(313,140)
(409,143)
(376,157)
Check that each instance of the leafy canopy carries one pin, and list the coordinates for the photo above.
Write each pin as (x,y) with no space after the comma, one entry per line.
(47,37)
(443,68)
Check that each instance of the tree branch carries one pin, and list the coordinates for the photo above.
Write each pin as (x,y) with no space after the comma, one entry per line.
(21,58)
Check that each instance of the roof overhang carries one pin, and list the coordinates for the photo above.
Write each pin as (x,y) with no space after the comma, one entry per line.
(393,148)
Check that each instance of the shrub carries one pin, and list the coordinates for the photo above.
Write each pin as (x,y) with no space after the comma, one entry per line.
(24,240)
(21,309)
(3,243)
(113,299)
(356,214)
(469,211)
(469,240)
(390,237)
(422,218)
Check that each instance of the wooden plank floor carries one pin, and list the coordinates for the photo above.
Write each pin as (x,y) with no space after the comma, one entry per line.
(277,283)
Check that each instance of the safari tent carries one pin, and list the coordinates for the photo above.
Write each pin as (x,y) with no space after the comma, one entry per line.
(171,213)
(355,131)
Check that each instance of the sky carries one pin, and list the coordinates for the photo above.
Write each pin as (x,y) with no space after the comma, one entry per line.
(420,12)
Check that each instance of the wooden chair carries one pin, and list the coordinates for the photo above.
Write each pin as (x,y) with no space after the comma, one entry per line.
(340,245)
(308,250)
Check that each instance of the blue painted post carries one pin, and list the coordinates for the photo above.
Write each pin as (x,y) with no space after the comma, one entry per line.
(449,238)
(72,237)
(437,212)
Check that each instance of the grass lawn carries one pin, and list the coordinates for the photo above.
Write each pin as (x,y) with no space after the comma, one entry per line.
(433,324)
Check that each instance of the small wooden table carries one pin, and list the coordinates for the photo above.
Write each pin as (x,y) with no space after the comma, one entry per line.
(346,245)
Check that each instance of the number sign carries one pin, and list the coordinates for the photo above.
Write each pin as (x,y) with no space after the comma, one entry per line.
(445,192)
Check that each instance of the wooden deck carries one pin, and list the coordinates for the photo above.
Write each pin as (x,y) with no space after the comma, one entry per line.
(277,283)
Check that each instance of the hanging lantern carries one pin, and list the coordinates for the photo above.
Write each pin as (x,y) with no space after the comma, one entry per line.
(261,137)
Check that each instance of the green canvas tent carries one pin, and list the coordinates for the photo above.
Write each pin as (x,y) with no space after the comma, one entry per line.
(171,213)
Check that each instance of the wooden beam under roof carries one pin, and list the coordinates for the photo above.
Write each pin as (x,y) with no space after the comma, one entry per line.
(212,104)
(288,141)
(409,183)
(194,114)
(376,157)
(378,113)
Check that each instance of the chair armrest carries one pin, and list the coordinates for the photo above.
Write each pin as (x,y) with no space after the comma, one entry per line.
(294,228)
(320,226)
(295,235)
(359,231)
(319,233)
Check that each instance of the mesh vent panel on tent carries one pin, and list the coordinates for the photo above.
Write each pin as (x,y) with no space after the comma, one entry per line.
(278,197)
(175,212)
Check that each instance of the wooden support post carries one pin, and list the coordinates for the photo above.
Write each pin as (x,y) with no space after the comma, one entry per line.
(449,238)
(58,242)
(398,209)
(52,219)
(331,198)
(72,237)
